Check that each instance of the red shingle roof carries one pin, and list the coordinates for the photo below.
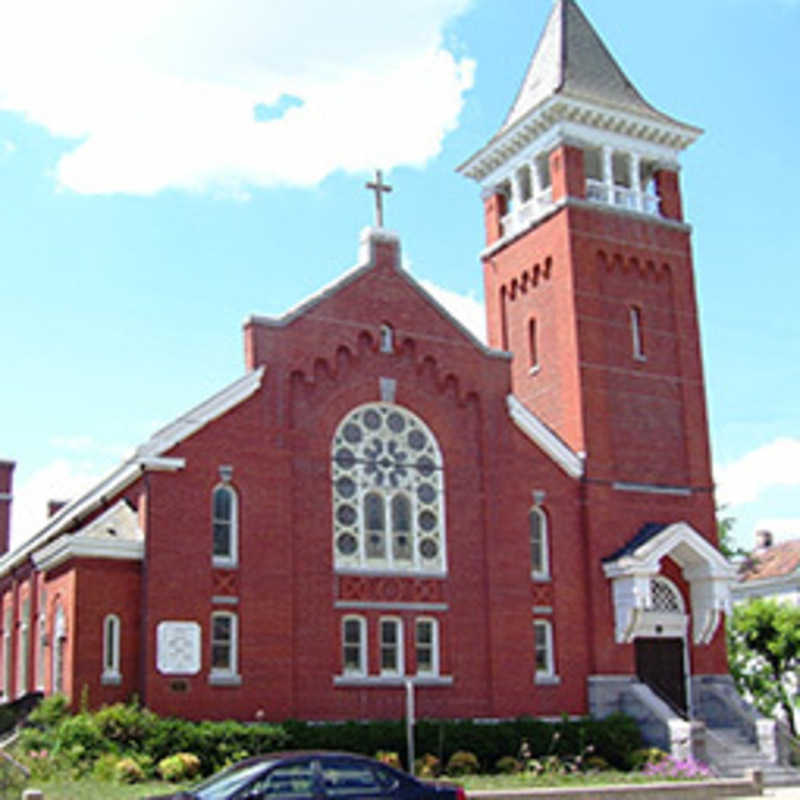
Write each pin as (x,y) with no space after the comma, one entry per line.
(774,562)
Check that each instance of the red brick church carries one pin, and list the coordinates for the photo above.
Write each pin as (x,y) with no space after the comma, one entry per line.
(522,526)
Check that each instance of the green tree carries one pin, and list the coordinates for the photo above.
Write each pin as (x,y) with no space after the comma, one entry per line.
(764,655)
(727,545)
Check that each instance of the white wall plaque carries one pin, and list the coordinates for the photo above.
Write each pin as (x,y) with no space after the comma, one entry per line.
(178,648)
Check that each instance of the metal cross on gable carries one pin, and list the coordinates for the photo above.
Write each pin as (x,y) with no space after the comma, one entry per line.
(379,187)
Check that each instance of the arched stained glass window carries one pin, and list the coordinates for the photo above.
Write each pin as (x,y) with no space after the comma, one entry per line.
(388,492)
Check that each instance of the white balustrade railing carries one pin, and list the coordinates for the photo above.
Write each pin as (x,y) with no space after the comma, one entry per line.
(518,219)
(621,196)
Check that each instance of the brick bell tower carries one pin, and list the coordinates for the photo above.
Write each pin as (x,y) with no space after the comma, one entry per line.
(588,267)
(589,284)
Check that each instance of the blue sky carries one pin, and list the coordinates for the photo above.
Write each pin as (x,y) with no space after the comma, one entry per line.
(171,166)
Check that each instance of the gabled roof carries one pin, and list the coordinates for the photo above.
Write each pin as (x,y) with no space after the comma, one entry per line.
(370,238)
(149,456)
(114,534)
(777,561)
(571,59)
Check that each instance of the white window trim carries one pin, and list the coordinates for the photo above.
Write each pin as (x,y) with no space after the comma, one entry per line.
(542,574)
(232,559)
(59,634)
(23,651)
(547,675)
(434,623)
(398,645)
(111,674)
(7,644)
(362,670)
(229,675)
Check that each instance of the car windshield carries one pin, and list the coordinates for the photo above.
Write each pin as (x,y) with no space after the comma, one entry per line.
(222,786)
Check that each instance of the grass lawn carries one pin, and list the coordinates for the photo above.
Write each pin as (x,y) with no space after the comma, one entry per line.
(524,780)
(90,789)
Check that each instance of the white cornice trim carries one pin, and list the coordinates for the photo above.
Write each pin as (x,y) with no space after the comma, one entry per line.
(191,422)
(541,435)
(667,135)
(390,606)
(74,546)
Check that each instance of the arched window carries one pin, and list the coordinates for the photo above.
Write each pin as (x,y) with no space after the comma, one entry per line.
(111,648)
(224,525)
(59,649)
(23,651)
(387,338)
(666,597)
(7,625)
(391,633)
(540,561)
(41,640)
(388,492)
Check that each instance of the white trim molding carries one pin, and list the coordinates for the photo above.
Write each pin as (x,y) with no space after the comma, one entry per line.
(707,571)
(544,438)
(378,681)
(390,606)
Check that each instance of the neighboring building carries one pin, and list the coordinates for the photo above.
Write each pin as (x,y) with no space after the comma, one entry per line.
(523,527)
(771,571)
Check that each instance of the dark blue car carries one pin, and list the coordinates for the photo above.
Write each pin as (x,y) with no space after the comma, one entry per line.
(315,776)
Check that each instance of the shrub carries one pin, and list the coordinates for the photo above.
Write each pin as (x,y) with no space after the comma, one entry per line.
(646,755)
(50,712)
(595,764)
(128,770)
(507,765)
(80,740)
(128,726)
(427,766)
(105,767)
(389,757)
(179,767)
(462,762)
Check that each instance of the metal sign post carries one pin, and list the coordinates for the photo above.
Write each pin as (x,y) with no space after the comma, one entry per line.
(410,724)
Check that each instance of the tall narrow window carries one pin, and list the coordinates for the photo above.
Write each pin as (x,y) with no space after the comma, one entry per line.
(354,646)
(402,550)
(533,346)
(503,318)
(7,624)
(391,646)
(636,333)
(540,562)
(375,525)
(111,648)
(224,644)
(23,652)
(543,645)
(59,650)
(387,338)
(427,646)
(224,524)
(41,640)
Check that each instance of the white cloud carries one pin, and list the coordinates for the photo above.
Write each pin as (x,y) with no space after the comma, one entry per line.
(161,93)
(773,464)
(466,308)
(61,479)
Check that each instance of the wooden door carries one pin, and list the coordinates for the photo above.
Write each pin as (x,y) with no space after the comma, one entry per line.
(659,664)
